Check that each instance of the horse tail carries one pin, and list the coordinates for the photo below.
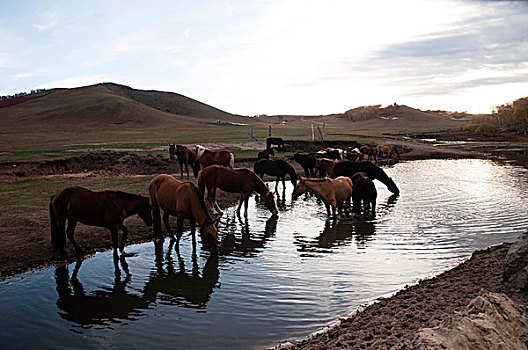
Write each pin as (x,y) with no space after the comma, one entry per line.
(232,161)
(201,184)
(56,240)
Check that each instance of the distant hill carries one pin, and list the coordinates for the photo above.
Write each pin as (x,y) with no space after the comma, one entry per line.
(109,103)
(392,112)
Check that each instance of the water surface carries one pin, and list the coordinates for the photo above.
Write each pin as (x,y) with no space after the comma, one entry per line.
(277,278)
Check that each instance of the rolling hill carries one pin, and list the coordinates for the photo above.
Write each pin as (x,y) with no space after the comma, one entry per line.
(108,104)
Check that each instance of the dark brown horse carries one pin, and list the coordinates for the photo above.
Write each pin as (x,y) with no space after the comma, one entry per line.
(207,157)
(185,157)
(185,201)
(243,181)
(369,151)
(104,209)
(325,166)
(387,151)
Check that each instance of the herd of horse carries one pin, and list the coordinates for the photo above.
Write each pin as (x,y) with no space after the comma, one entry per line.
(347,180)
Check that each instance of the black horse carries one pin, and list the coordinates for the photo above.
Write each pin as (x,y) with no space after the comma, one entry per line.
(349,168)
(278,141)
(307,162)
(363,190)
(278,168)
(266,153)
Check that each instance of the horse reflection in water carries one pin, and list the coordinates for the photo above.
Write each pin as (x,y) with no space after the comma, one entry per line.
(338,232)
(111,304)
(246,245)
(177,286)
(101,307)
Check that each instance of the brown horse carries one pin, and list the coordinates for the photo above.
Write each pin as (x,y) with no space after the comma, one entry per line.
(243,181)
(369,151)
(104,209)
(333,192)
(325,164)
(185,157)
(183,200)
(388,151)
(207,157)
(353,154)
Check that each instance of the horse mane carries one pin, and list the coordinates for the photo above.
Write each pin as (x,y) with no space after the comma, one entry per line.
(200,199)
(129,196)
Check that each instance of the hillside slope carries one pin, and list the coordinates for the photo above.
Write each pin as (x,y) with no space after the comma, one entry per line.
(109,104)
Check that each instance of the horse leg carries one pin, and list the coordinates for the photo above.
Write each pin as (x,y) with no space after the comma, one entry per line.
(284,182)
(179,231)
(277,184)
(215,205)
(246,199)
(71,227)
(187,169)
(334,205)
(167,226)
(240,203)
(156,222)
(114,232)
(123,238)
(181,167)
(193,232)
(327,205)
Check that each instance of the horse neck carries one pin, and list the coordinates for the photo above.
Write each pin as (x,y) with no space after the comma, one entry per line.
(131,206)
(260,186)
(199,213)
(310,185)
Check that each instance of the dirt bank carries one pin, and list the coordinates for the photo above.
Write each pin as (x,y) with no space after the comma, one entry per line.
(393,322)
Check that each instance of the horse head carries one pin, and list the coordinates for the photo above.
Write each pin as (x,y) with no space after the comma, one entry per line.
(196,168)
(271,152)
(269,201)
(299,189)
(145,211)
(209,234)
(172,150)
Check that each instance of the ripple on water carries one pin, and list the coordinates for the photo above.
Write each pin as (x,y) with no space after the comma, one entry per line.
(278,278)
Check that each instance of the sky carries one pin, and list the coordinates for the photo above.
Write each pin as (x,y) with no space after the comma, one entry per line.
(275,57)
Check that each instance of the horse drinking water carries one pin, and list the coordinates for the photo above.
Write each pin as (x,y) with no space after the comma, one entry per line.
(183,200)
(243,181)
(333,192)
(349,168)
(104,209)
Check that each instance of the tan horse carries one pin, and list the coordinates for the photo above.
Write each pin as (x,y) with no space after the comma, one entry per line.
(185,201)
(369,151)
(243,181)
(325,164)
(333,192)
(389,151)
(207,157)
(104,209)
(185,157)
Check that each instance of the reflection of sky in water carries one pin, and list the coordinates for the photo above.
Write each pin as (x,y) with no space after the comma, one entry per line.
(276,279)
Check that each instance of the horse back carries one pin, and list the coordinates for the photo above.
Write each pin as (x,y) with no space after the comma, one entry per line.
(163,190)
(88,207)
(342,187)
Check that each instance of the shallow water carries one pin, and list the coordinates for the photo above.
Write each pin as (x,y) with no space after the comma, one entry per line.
(276,279)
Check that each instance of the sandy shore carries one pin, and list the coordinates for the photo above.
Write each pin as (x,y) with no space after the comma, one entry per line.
(389,322)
